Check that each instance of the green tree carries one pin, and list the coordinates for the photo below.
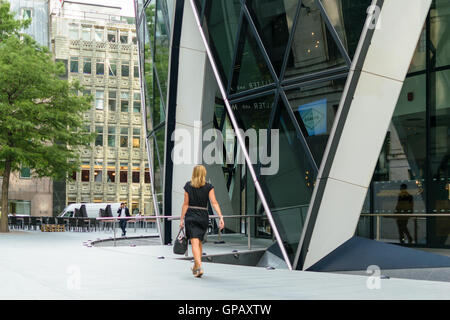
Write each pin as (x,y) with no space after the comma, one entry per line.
(8,24)
(41,123)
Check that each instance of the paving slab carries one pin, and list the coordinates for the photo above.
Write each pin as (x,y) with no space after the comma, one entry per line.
(36,265)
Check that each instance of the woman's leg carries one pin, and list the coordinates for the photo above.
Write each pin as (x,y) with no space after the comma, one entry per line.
(196,252)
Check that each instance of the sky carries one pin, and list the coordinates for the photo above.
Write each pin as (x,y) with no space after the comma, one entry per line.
(127,5)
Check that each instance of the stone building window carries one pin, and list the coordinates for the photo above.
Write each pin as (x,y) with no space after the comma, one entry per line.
(123,38)
(124,96)
(112,68)
(111,172)
(99,137)
(124,137)
(86,34)
(136,137)
(98,34)
(85,175)
(137,102)
(123,172)
(73,31)
(74,64)
(112,36)
(112,101)
(125,69)
(25,173)
(98,176)
(87,65)
(136,70)
(135,176)
(26,13)
(100,68)
(111,137)
(99,100)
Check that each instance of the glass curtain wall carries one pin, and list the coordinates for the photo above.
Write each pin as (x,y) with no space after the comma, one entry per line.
(284,64)
(413,174)
(153,28)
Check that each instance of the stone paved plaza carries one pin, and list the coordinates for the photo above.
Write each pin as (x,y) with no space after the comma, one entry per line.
(37,265)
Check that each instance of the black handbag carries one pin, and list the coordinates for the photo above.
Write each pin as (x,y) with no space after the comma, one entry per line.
(180,245)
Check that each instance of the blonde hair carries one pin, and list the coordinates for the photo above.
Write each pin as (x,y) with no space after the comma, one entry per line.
(198,176)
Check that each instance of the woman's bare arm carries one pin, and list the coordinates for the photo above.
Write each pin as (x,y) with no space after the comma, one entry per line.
(184,208)
(215,205)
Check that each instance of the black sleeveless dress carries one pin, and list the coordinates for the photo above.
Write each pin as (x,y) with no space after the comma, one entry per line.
(196,220)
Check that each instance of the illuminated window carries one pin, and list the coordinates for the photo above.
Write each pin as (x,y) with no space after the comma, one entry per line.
(136,137)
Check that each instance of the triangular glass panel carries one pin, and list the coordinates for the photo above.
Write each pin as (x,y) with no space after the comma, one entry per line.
(219,111)
(162,47)
(254,113)
(315,107)
(198,5)
(348,18)
(250,69)
(274,20)
(220,26)
(288,181)
(156,105)
(157,143)
(313,46)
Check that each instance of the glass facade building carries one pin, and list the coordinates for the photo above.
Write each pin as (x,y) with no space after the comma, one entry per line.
(283,64)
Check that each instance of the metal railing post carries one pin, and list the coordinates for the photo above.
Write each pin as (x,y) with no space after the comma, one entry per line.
(378,228)
(248,234)
(415,230)
(114,229)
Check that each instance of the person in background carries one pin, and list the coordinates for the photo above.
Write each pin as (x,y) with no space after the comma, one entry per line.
(405,204)
(123,212)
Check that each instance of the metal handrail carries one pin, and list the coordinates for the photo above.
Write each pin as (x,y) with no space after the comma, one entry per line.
(290,207)
(178,218)
(400,215)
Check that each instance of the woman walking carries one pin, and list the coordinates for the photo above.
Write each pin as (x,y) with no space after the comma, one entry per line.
(194,214)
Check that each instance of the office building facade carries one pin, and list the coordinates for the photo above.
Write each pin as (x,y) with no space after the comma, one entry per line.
(356,90)
(99,49)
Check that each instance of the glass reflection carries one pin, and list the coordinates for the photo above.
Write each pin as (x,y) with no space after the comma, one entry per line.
(440,32)
(158,159)
(250,68)
(440,158)
(198,4)
(289,190)
(161,46)
(313,47)
(419,61)
(354,13)
(401,167)
(273,20)
(220,26)
(315,109)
